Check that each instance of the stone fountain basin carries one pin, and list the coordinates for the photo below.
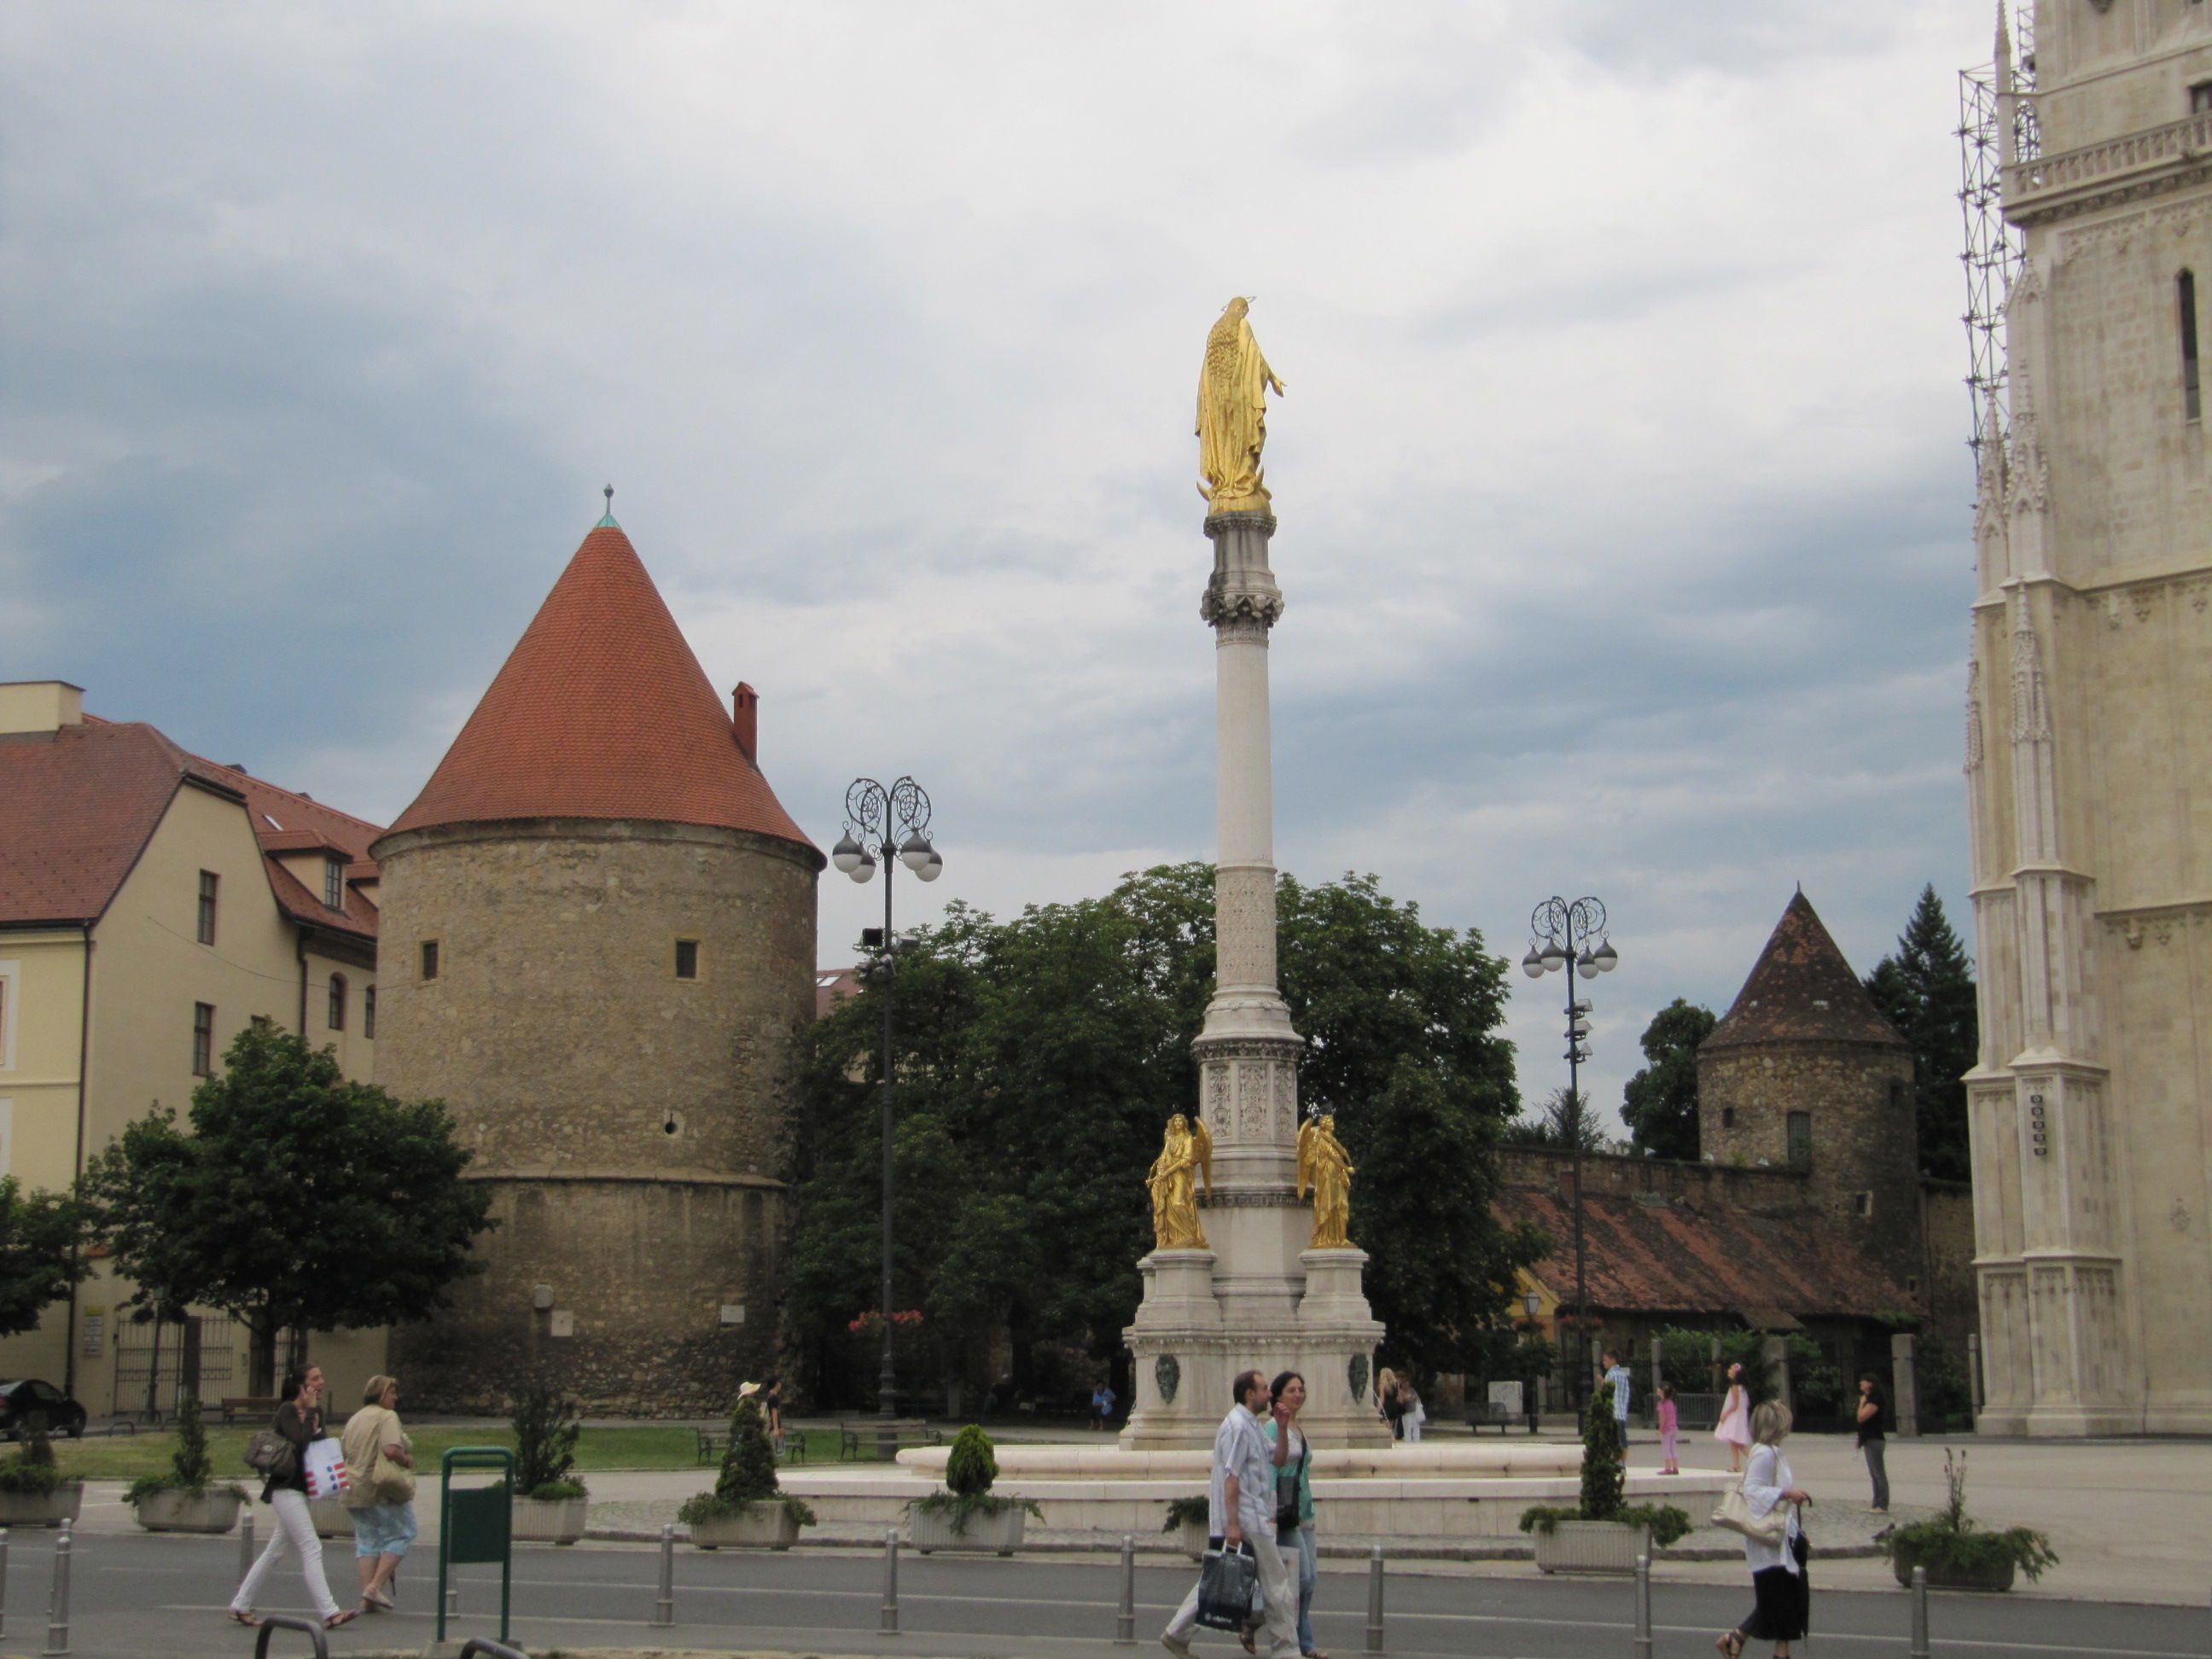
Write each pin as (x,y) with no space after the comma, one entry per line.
(1427,1461)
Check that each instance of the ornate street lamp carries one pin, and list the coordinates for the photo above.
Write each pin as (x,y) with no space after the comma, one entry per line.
(1561,933)
(889,827)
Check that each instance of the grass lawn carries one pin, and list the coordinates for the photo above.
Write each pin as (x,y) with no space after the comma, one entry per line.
(123,1456)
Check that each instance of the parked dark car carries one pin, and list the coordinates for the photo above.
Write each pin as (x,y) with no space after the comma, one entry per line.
(19,1400)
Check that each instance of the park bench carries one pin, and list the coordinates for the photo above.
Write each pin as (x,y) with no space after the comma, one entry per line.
(855,1437)
(246,1405)
(791,1446)
(1488,1413)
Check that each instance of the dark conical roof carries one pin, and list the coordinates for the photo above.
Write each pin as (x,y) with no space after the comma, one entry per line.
(1801,990)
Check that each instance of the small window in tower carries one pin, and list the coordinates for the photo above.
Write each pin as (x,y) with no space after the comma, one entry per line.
(368,1012)
(1801,1140)
(337,1020)
(1728,1117)
(203,1038)
(2200,98)
(1861,1203)
(210,882)
(687,959)
(2192,404)
(429,958)
(334,882)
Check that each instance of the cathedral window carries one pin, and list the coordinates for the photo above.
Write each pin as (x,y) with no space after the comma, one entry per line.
(2200,98)
(337,1016)
(687,959)
(2184,288)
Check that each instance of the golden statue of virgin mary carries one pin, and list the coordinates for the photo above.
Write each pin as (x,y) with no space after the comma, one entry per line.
(1232,414)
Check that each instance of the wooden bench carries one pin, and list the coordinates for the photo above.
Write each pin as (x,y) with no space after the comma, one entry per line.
(1488,1412)
(237,1406)
(855,1437)
(712,1442)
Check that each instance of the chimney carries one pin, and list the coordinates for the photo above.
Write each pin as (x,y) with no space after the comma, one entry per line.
(40,705)
(744,719)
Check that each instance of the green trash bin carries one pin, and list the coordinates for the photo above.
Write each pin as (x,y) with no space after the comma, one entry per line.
(476,1523)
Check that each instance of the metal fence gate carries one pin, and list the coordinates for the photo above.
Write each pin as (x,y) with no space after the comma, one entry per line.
(162,1361)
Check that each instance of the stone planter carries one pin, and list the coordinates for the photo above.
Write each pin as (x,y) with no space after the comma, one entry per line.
(558,1521)
(1193,1540)
(1996,1577)
(214,1509)
(1609,1547)
(998,1534)
(332,1518)
(762,1526)
(25,1509)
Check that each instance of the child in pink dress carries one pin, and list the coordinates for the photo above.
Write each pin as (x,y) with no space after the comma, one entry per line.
(1733,1430)
(1670,1425)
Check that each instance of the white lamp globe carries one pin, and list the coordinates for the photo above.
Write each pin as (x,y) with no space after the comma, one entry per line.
(847,853)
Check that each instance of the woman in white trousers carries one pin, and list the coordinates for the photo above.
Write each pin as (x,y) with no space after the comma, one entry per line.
(299,1420)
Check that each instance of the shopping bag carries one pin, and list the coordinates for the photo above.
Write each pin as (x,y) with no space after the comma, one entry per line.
(1228,1587)
(325,1464)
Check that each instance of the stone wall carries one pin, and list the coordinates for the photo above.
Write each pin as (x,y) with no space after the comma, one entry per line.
(634,1123)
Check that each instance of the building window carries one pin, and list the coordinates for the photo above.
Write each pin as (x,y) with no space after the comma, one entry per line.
(202,1039)
(368,1012)
(208,881)
(429,958)
(334,882)
(338,1002)
(1728,1117)
(687,959)
(1801,1140)
(2184,287)
(1861,1203)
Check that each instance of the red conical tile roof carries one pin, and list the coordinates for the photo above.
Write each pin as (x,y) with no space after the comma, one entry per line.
(601,712)
(1801,990)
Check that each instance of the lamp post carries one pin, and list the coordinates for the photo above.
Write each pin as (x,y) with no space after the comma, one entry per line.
(891,827)
(1564,933)
(1533,1302)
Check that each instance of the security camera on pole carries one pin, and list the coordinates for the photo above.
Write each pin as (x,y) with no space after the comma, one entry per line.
(1564,933)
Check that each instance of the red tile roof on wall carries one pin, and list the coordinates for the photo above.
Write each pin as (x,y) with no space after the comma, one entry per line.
(601,712)
(1670,1258)
(1801,990)
(78,804)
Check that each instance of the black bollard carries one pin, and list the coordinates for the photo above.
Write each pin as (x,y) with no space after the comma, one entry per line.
(245,1544)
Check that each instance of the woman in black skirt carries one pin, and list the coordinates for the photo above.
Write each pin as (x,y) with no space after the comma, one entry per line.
(1782,1595)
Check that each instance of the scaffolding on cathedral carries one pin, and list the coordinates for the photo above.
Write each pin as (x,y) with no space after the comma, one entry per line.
(1998,95)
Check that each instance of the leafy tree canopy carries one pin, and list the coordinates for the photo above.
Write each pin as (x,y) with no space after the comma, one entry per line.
(293,1199)
(41,1252)
(1566,1119)
(1039,1061)
(1660,1102)
(1926,989)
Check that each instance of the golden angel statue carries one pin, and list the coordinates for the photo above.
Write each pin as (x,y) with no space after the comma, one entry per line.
(1323,1166)
(1187,1155)
(1232,414)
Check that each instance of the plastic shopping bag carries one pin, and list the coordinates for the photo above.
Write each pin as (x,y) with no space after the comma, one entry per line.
(325,1464)
(1228,1587)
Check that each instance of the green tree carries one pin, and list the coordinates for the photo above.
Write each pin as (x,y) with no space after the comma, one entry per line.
(291,1199)
(1038,1060)
(1565,1118)
(42,1238)
(1926,989)
(1660,1102)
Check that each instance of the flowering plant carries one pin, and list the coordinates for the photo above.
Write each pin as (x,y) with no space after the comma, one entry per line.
(873,1319)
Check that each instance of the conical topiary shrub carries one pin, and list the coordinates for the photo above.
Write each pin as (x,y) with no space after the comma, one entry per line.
(1605,1481)
(973,1465)
(747,1475)
(969,1469)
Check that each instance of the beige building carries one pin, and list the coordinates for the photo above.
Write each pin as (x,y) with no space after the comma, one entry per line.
(151,904)
(2089,749)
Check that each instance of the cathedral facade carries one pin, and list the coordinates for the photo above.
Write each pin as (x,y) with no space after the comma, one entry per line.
(2088,752)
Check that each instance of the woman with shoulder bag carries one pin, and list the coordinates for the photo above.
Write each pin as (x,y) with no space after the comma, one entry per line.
(299,1422)
(380,1491)
(1785,1595)
(1294,1503)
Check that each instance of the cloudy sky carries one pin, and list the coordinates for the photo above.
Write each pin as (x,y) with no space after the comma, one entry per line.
(1623,492)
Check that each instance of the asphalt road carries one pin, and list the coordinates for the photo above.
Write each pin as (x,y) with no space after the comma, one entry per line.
(138,1596)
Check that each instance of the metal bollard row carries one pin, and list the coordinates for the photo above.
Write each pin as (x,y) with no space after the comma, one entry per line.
(245,1544)
(57,1601)
(3,1580)
(1125,1622)
(664,1610)
(1643,1629)
(1375,1600)
(890,1581)
(1920,1614)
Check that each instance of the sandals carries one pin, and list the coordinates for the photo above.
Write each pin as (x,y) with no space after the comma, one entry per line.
(342,1616)
(1731,1643)
(238,1618)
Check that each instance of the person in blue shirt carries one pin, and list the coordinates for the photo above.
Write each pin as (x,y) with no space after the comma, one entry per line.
(1102,1406)
(1617,1374)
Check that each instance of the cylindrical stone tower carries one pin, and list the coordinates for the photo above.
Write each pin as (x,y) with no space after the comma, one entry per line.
(598,933)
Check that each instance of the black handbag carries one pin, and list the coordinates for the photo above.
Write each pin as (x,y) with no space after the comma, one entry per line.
(1228,1586)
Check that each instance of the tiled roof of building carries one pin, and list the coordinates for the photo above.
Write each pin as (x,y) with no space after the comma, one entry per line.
(78,804)
(1668,1258)
(1801,990)
(601,711)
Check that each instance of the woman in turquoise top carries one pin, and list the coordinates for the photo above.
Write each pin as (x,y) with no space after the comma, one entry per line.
(1293,1473)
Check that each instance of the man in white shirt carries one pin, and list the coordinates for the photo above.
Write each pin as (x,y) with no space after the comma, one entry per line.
(1240,1507)
(1617,1374)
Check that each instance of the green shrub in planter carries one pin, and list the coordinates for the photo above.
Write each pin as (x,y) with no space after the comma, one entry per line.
(1187,1512)
(546,1435)
(191,1470)
(969,1469)
(1956,1551)
(31,1471)
(1604,1482)
(747,1476)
